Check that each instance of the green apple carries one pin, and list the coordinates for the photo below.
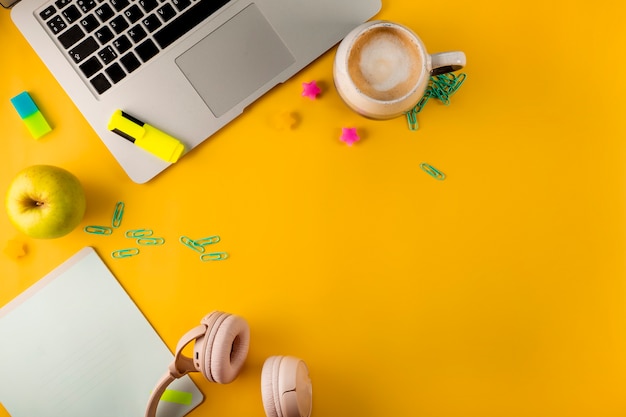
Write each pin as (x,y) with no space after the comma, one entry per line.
(45,201)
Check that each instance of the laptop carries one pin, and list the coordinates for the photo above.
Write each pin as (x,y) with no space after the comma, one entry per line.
(186,67)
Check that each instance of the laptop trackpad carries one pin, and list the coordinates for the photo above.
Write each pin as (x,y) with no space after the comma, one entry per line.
(235,60)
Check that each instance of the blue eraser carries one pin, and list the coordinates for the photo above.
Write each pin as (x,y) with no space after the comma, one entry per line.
(24,105)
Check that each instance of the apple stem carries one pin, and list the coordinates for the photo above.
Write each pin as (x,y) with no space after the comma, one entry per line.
(39,203)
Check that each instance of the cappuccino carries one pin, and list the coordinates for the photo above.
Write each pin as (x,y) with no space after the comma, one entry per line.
(384,63)
(382,69)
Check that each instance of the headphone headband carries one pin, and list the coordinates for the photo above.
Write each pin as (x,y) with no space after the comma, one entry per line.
(181,366)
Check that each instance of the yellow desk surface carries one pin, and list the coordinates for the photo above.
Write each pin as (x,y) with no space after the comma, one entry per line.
(500,291)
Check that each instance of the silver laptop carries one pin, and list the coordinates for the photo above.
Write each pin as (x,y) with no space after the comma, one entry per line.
(186,67)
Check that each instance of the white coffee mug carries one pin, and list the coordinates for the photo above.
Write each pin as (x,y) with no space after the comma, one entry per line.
(382,69)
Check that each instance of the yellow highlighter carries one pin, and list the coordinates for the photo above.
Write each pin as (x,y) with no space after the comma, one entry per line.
(146,137)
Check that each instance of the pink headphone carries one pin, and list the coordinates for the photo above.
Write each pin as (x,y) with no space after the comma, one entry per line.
(220,349)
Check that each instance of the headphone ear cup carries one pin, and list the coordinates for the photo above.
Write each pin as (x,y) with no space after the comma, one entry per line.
(220,354)
(286,387)
(269,387)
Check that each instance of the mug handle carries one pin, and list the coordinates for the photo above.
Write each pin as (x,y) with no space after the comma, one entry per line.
(444,62)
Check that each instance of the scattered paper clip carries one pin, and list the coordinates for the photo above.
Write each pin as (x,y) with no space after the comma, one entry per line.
(432,171)
(125,253)
(98,230)
(151,241)
(192,244)
(118,214)
(137,233)
(207,240)
(215,256)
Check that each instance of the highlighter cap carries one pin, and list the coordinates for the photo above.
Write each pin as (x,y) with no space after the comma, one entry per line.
(161,144)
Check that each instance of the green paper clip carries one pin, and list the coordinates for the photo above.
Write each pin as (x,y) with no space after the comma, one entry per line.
(118,214)
(150,241)
(458,82)
(439,91)
(441,87)
(192,244)
(98,230)
(125,253)
(411,118)
(137,233)
(207,240)
(420,104)
(432,171)
(215,256)
(411,115)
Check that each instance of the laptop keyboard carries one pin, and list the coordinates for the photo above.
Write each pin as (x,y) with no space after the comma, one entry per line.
(108,39)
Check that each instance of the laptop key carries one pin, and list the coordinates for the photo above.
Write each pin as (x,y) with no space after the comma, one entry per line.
(104,12)
(100,83)
(71,14)
(47,13)
(133,13)
(137,33)
(56,24)
(115,72)
(119,24)
(86,5)
(130,62)
(107,55)
(152,23)
(84,49)
(89,23)
(71,36)
(119,4)
(188,20)
(91,66)
(104,35)
(62,3)
(122,44)
(149,5)
(166,12)
(181,4)
(147,50)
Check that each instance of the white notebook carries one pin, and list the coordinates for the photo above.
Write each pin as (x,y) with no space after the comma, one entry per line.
(75,344)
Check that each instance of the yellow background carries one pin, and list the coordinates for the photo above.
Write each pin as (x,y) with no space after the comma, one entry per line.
(497,292)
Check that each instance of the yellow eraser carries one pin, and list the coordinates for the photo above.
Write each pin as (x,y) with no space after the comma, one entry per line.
(31,115)
(37,125)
